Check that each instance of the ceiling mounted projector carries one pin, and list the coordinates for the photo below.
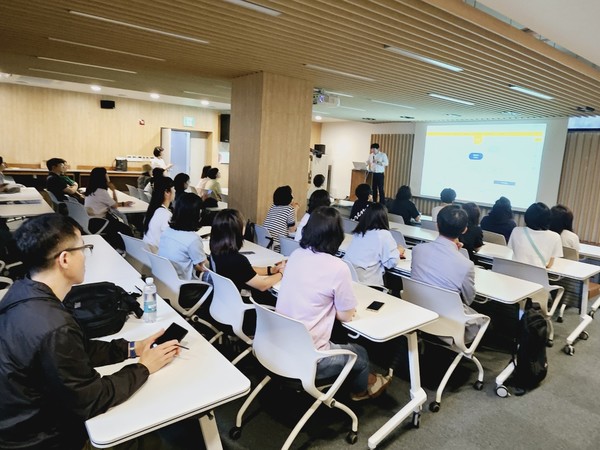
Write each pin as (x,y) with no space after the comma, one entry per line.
(320,97)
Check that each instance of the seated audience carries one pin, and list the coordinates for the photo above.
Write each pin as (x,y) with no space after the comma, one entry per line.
(472,239)
(226,240)
(158,161)
(4,185)
(561,222)
(320,197)
(181,182)
(145,177)
(447,196)
(500,218)
(403,206)
(59,183)
(179,242)
(534,243)
(157,172)
(318,181)
(200,187)
(441,262)
(47,378)
(99,203)
(317,289)
(364,199)
(158,214)
(281,217)
(373,248)
(212,186)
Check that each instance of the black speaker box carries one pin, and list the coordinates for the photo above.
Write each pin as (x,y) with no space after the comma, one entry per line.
(107,104)
(224,127)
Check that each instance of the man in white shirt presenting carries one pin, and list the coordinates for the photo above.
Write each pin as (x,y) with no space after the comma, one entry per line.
(377,163)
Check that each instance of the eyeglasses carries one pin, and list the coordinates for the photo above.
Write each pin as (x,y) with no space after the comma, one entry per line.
(87,250)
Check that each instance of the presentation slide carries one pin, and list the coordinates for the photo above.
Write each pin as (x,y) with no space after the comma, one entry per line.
(484,162)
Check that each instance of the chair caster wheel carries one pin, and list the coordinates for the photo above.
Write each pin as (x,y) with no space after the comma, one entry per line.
(591,313)
(478,385)
(434,407)
(235,433)
(502,391)
(351,437)
(560,319)
(550,343)
(584,336)
(569,350)
(416,419)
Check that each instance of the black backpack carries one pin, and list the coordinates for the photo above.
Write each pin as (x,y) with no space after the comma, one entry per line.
(531,361)
(101,308)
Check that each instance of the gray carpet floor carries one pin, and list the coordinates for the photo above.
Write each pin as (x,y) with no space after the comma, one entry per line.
(562,413)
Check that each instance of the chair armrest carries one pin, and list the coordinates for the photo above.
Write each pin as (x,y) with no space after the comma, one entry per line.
(319,354)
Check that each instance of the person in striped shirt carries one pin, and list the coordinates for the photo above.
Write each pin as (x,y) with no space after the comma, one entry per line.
(281,218)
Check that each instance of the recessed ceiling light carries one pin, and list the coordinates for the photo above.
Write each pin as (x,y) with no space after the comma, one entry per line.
(104,49)
(529,92)
(451,99)
(318,117)
(393,104)
(95,88)
(64,61)
(154,96)
(255,7)
(321,112)
(424,59)
(33,69)
(204,102)
(340,94)
(138,27)
(353,109)
(337,72)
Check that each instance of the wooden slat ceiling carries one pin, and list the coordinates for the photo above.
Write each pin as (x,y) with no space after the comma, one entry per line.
(347,36)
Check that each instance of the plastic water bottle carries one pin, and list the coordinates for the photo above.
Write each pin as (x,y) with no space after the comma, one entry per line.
(149,301)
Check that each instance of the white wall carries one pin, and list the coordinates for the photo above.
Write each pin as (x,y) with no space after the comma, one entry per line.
(349,141)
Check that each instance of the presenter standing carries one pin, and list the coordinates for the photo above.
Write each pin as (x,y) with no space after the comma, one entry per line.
(377,163)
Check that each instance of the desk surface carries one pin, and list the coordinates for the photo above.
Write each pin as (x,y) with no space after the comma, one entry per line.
(259,256)
(198,380)
(138,207)
(503,288)
(573,269)
(395,318)
(28,194)
(591,251)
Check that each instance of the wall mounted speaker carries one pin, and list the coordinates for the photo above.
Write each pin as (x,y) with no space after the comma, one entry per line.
(224,127)
(107,104)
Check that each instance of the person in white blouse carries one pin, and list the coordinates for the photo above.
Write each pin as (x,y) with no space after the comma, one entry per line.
(158,161)
(158,214)
(535,244)
(561,222)
(373,248)
(320,197)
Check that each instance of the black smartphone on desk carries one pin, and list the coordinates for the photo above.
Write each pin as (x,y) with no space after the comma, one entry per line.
(247,252)
(375,306)
(173,332)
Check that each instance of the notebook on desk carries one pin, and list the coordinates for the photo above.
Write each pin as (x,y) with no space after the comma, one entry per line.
(359,165)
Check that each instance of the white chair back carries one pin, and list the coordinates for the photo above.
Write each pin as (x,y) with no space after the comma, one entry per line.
(137,253)
(349,225)
(143,195)
(263,237)
(522,271)
(570,253)
(395,218)
(78,213)
(494,238)
(428,225)
(133,191)
(399,238)
(288,245)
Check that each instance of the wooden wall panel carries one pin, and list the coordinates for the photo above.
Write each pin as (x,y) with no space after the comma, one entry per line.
(398,148)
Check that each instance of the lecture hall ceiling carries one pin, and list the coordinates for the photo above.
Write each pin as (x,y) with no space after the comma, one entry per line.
(84,41)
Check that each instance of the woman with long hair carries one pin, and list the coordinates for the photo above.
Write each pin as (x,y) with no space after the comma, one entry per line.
(158,214)
(373,248)
(179,242)
(403,206)
(320,197)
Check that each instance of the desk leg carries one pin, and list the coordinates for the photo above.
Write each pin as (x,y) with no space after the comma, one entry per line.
(585,320)
(210,432)
(417,394)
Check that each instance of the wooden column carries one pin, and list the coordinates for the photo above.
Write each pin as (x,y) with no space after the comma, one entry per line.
(269,141)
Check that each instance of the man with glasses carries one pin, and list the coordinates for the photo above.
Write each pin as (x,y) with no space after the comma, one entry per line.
(48,383)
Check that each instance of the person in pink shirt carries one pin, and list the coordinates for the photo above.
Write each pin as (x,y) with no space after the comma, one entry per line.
(316,289)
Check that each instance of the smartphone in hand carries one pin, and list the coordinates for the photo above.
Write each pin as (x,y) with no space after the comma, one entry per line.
(173,332)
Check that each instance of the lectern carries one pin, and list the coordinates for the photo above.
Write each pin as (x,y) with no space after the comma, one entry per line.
(359,177)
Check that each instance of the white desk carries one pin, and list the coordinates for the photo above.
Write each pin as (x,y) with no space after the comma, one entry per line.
(490,250)
(138,206)
(590,251)
(395,318)
(29,202)
(259,256)
(415,233)
(196,382)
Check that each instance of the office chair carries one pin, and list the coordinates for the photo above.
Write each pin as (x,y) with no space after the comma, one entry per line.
(186,296)
(452,323)
(228,308)
(399,238)
(285,348)
(288,245)
(593,288)
(143,195)
(395,218)
(349,225)
(550,298)
(133,191)
(263,237)
(136,253)
(494,238)
(78,213)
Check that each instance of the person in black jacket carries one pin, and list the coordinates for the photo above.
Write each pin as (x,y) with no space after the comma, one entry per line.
(48,384)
